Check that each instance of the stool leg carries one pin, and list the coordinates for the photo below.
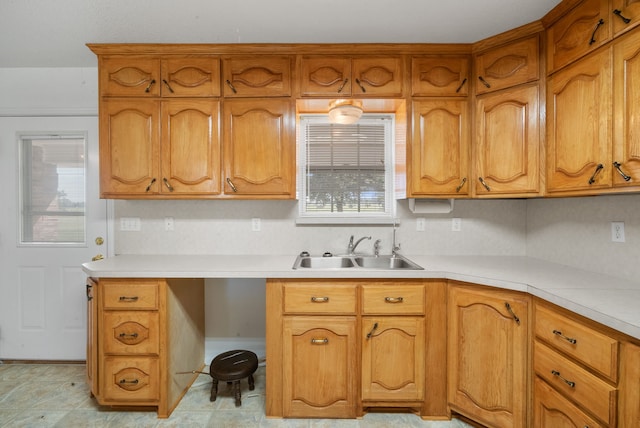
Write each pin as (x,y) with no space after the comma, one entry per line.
(236,385)
(214,390)
(251,383)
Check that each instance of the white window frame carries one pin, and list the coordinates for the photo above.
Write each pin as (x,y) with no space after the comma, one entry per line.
(386,217)
(21,136)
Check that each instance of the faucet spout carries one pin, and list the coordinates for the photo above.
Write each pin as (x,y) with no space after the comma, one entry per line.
(351,248)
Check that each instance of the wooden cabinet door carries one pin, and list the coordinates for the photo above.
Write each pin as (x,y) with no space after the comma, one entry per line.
(507,148)
(629,398)
(439,156)
(259,148)
(625,15)
(319,360)
(579,126)
(325,76)
(550,409)
(582,30)
(488,361)
(377,76)
(440,76)
(129,148)
(190,147)
(507,66)
(626,104)
(132,77)
(257,77)
(190,77)
(393,352)
(92,336)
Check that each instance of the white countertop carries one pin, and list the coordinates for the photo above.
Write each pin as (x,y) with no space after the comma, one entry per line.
(608,300)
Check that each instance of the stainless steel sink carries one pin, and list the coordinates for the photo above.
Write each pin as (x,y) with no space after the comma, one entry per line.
(385,262)
(323,262)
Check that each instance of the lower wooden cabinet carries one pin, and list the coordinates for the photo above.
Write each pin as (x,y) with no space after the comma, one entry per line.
(319,360)
(336,348)
(488,363)
(143,335)
(550,409)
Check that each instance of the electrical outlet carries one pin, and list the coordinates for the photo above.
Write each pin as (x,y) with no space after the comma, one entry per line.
(168,223)
(456,224)
(617,231)
(255,224)
(130,224)
(420,222)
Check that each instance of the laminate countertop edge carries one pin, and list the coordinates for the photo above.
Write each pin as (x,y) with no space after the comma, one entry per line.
(606,299)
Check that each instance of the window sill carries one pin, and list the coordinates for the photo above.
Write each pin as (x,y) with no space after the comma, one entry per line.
(345,220)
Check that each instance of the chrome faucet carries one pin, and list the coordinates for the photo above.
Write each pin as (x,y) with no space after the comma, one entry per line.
(395,247)
(351,248)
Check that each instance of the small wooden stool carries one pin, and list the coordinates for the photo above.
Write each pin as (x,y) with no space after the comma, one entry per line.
(232,366)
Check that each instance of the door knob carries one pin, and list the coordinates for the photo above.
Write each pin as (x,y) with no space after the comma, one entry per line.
(97,257)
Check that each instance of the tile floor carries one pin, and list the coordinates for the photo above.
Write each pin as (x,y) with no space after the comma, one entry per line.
(37,395)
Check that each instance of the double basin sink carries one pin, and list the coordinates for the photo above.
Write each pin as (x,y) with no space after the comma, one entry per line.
(382,262)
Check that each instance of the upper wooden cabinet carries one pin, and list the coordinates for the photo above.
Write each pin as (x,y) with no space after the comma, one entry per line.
(507,152)
(626,15)
(626,111)
(583,29)
(579,126)
(256,76)
(505,66)
(151,148)
(440,75)
(259,148)
(331,76)
(439,157)
(152,77)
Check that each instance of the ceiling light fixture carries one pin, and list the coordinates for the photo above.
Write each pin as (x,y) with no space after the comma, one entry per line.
(345,112)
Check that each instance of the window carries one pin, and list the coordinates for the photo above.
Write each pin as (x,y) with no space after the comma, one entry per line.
(346,171)
(52,189)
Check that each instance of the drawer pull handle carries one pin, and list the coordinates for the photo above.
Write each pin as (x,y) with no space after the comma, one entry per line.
(394,299)
(599,168)
(593,36)
(124,381)
(148,88)
(128,299)
(619,13)
(513,314)
(344,82)
(568,382)
(373,329)
(315,299)
(132,335)
(319,341)
(568,339)
(153,180)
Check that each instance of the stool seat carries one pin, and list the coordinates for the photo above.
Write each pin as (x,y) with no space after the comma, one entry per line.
(232,366)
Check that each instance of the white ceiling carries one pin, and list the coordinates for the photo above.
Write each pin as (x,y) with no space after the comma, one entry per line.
(53,33)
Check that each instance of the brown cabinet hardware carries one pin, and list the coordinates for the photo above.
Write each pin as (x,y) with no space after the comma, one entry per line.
(461,85)
(233,88)
(462,182)
(617,166)
(619,13)
(323,341)
(568,339)
(513,314)
(319,299)
(568,382)
(153,180)
(148,88)
(233,187)
(593,35)
(484,184)
(373,329)
(394,299)
(599,168)
(484,82)
(128,299)
(360,85)
(168,85)
(166,183)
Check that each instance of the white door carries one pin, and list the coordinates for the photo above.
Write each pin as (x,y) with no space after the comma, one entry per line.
(45,236)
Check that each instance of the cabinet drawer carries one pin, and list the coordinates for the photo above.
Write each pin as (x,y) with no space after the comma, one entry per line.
(576,383)
(131,332)
(320,298)
(130,294)
(268,76)
(130,378)
(590,347)
(553,410)
(121,76)
(391,298)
